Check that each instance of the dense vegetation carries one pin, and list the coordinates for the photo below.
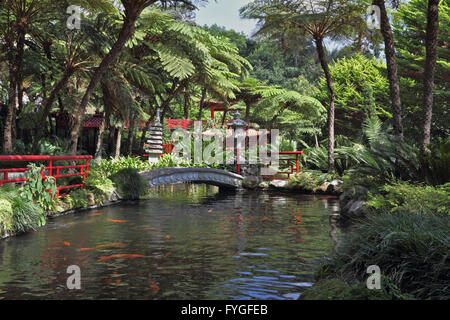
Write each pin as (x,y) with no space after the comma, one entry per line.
(372,112)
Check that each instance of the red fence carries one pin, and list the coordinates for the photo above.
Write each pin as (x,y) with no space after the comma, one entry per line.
(53,171)
(287,160)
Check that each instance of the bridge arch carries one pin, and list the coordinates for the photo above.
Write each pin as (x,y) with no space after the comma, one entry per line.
(216,177)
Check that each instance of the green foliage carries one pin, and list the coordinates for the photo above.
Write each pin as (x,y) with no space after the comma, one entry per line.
(109,167)
(362,91)
(337,289)
(98,184)
(409,26)
(434,164)
(413,198)
(77,199)
(168,160)
(411,250)
(130,184)
(345,158)
(5,216)
(304,181)
(25,214)
(42,191)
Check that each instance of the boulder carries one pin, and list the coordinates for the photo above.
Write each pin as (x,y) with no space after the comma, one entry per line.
(279,184)
(252,182)
(264,185)
(91,199)
(334,186)
(324,187)
(356,210)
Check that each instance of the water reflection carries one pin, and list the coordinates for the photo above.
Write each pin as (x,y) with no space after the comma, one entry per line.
(186,242)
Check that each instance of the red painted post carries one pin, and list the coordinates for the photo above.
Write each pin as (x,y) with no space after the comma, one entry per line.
(87,170)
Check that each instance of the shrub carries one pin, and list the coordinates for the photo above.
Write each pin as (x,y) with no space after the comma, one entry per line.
(304,181)
(414,198)
(109,167)
(337,289)
(42,191)
(78,198)
(99,184)
(410,249)
(435,163)
(25,213)
(130,184)
(5,216)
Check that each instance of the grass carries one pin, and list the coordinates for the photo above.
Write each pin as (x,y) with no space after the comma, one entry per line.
(24,214)
(411,249)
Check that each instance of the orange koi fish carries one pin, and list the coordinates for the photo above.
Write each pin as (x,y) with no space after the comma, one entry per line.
(104,246)
(154,287)
(148,228)
(119,221)
(131,256)
(66,243)
(95,214)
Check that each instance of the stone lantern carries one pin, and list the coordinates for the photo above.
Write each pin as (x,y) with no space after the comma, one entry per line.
(155,140)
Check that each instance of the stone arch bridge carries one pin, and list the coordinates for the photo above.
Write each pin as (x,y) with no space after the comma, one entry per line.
(216,177)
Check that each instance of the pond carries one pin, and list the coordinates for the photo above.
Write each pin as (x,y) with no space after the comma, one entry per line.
(185,242)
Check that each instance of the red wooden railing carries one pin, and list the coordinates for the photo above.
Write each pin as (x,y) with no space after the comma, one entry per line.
(182,123)
(286,160)
(53,171)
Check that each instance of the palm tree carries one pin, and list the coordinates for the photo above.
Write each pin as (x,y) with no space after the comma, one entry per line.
(252,90)
(389,49)
(132,12)
(430,66)
(315,20)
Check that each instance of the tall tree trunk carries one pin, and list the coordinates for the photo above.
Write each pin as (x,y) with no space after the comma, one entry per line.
(389,49)
(202,103)
(131,134)
(186,104)
(118,143)
(430,67)
(173,93)
(247,111)
(125,34)
(330,84)
(99,144)
(111,141)
(225,111)
(10,114)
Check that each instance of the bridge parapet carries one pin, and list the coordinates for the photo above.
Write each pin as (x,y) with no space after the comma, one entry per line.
(171,175)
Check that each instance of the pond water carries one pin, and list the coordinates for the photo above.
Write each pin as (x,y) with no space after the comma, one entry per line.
(186,242)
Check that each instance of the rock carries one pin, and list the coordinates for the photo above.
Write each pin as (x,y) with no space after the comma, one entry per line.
(251,182)
(91,199)
(279,183)
(344,198)
(346,207)
(113,196)
(324,187)
(356,209)
(336,182)
(334,186)
(264,185)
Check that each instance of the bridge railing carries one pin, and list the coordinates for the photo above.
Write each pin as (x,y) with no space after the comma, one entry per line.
(51,170)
